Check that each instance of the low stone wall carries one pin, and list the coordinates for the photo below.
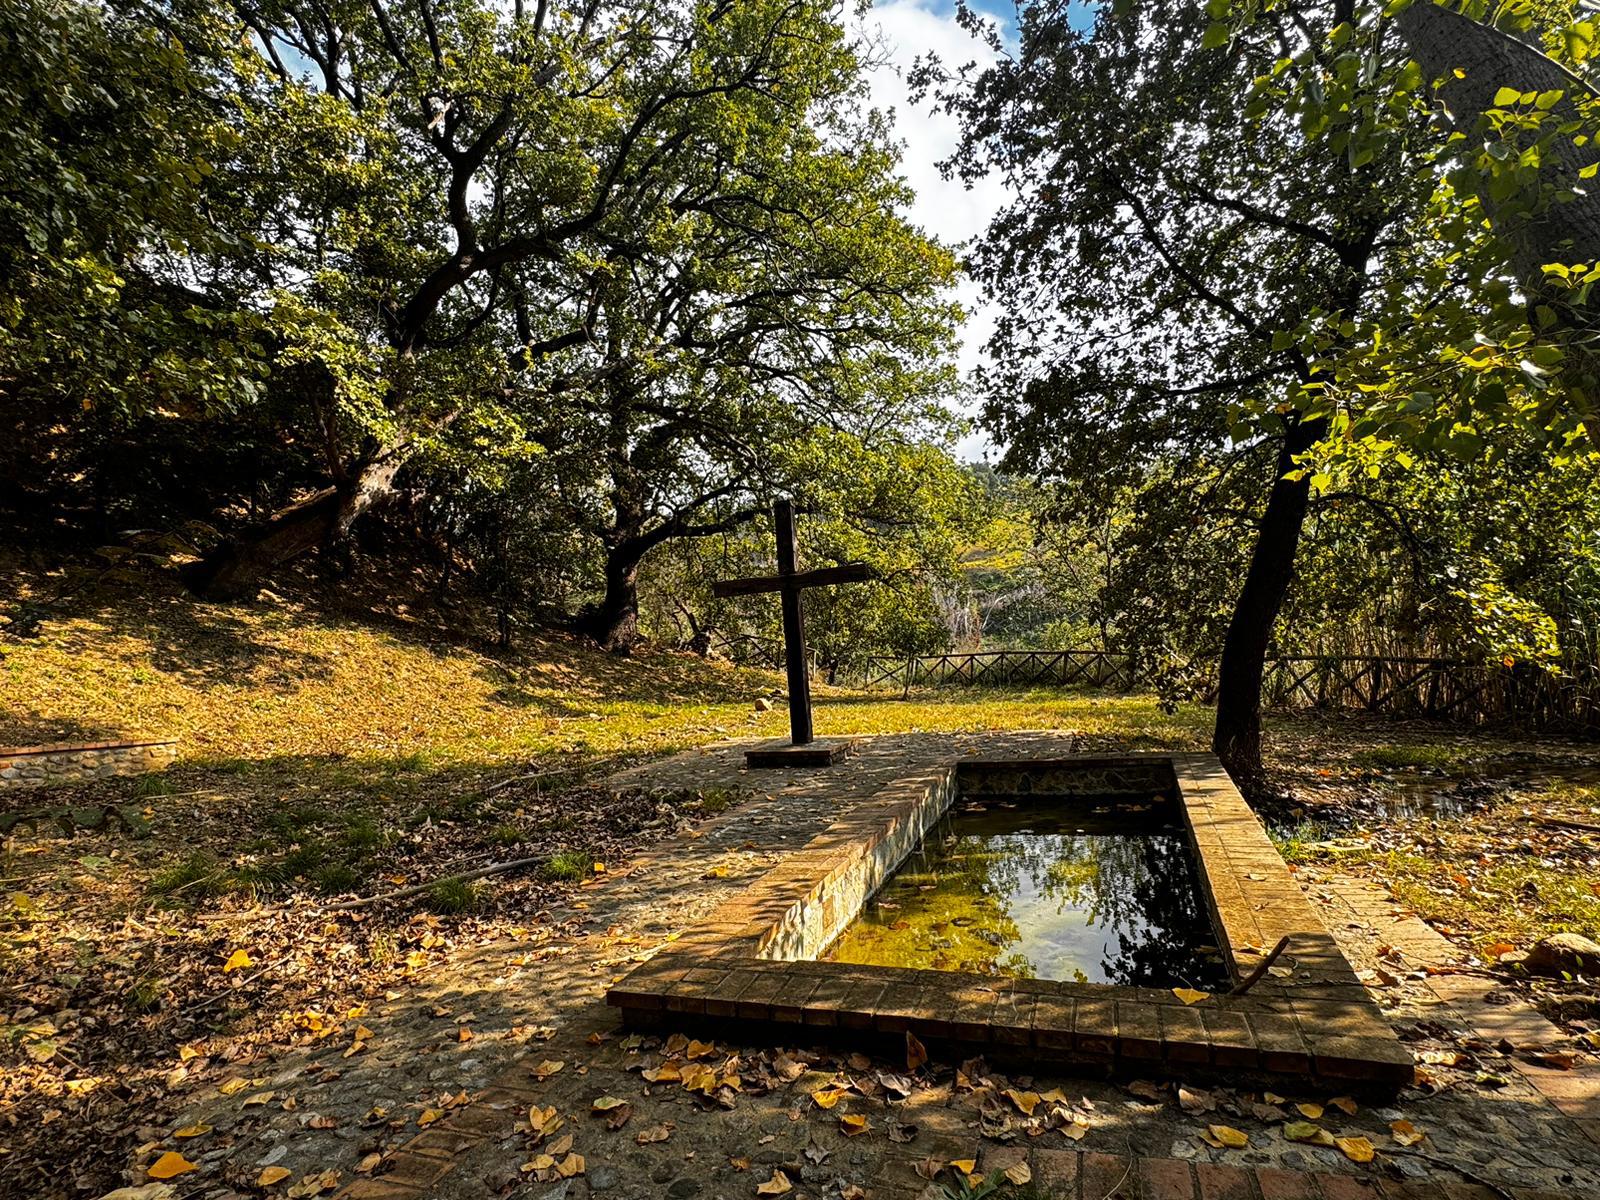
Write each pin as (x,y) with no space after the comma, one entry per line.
(45,766)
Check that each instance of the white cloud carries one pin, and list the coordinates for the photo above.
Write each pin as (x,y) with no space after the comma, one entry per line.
(946,208)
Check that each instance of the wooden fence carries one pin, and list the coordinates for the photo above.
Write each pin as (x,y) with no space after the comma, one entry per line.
(1443,689)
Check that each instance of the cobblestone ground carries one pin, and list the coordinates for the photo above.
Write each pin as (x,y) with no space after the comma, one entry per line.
(426,1110)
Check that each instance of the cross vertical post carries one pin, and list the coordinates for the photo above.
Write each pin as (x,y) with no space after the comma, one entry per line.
(789,582)
(794,629)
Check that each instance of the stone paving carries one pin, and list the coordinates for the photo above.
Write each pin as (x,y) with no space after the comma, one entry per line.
(1495,1124)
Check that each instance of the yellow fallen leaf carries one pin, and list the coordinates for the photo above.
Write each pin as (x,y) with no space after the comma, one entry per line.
(1405,1133)
(1344,1104)
(429,1116)
(776,1186)
(170,1165)
(185,1053)
(272,1175)
(237,961)
(965,1165)
(548,1068)
(234,1086)
(850,1125)
(1018,1173)
(1053,1096)
(829,1096)
(1227,1135)
(699,1049)
(561,1145)
(571,1165)
(606,1103)
(1310,1111)
(189,1131)
(1356,1149)
(1190,996)
(1272,1098)
(916,1052)
(541,1119)
(259,1099)
(539,1162)
(1026,1102)
(1304,1131)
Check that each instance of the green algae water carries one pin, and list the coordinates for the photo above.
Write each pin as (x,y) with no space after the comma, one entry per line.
(1071,889)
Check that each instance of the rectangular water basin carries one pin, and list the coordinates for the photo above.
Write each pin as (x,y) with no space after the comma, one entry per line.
(1092,889)
(1100,891)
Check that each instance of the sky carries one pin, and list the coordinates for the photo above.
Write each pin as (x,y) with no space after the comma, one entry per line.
(948,209)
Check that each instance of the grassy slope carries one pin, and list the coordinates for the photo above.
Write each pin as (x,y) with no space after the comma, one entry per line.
(246,684)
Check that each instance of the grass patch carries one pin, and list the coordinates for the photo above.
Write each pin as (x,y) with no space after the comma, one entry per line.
(567,866)
(1299,843)
(453,895)
(1411,757)
(148,787)
(507,835)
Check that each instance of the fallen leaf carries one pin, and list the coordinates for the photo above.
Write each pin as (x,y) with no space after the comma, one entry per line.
(916,1052)
(1405,1133)
(1026,1102)
(1195,1100)
(1305,1131)
(901,1133)
(192,1131)
(548,1068)
(543,1120)
(429,1116)
(1018,1173)
(1272,1098)
(656,1133)
(851,1125)
(1356,1149)
(1344,1104)
(170,1165)
(572,1164)
(606,1104)
(272,1175)
(234,1086)
(560,1146)
(1310,1112)
(1189,995)
(1227,1135)
(827,1097)
(237,961)
(776,1186)
(739,1164)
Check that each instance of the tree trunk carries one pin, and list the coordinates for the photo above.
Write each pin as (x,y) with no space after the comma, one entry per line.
(614,621)
(1475,61)
(1237,737)
(238,568)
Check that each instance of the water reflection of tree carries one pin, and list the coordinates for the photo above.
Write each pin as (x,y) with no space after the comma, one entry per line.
(1140,887)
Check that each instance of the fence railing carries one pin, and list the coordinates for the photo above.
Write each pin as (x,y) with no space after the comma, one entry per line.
(1445,689)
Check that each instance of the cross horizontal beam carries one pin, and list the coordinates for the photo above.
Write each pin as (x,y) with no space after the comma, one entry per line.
(821,577)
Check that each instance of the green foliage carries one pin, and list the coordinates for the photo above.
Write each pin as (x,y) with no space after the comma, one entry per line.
(453,895)
(567,866)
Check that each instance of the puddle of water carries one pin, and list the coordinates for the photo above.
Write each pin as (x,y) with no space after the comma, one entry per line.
(1097,892)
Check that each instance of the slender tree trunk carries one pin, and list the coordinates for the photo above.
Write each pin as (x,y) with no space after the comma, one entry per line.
(1237,737)
(237,568)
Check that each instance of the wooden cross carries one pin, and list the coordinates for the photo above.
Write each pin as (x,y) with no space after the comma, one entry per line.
(790,582)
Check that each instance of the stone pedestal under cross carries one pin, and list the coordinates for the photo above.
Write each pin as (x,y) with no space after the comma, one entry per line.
(803,750)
